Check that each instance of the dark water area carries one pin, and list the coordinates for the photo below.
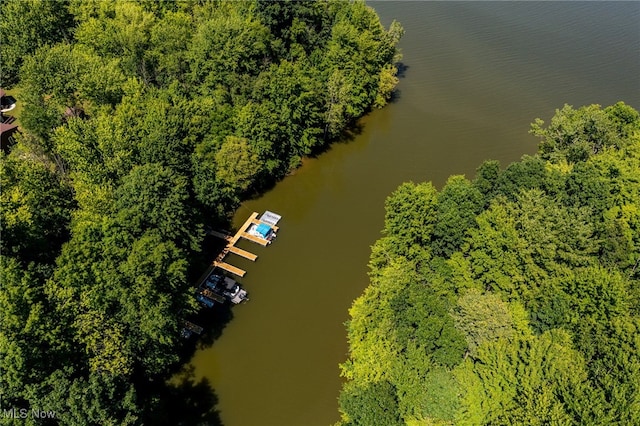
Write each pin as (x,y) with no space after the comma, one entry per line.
(476,75)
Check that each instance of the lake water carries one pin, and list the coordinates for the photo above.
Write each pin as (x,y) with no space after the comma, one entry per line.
(477,73)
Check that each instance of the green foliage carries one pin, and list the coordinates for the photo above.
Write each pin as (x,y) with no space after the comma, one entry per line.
(482,318)
(23,321)
(578,134)
(522,381)
(458,204)
(121,293)
(411,213)
(66,81)
(97,400)
(422,335)
(486,179)
(293,90)
(421,316)
(36,208)
(121,30)
(528,173)
(424,390)
(512,299)
(236,164)
(359,62)
(228,45)
(27,25)
(373,346)
(296,25)
(372,404)
(336,116)
(140,119)
(154,197)
(386,85)
(169,39)
(150,125)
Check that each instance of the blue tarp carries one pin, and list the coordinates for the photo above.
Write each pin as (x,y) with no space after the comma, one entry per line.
(263,229)
(205,301)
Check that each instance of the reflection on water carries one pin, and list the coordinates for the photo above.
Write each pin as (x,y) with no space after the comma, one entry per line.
(477,74)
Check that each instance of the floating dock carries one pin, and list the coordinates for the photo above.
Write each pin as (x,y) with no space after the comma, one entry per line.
(242,253)
(254,239)
(213,296)
(268,218)
(229,268)
(192,327)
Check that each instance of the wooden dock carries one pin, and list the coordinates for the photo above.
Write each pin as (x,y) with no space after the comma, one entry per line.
(243,253)
(247,223)
(231,242)
(213,296)
(229,268)
(255,221)
(220,235)
(255,239)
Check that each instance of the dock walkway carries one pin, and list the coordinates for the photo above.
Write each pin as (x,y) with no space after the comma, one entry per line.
(232,240)
(243,253)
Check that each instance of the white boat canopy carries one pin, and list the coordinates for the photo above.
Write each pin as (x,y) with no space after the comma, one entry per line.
(270,217)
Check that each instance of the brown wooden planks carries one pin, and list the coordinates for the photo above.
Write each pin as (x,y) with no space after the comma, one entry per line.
(243,253)
(230,268)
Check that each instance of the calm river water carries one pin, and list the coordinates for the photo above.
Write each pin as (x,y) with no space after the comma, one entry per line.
(477,74)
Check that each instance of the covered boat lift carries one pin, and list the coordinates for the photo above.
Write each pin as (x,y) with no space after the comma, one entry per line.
(260,231)
(270,218)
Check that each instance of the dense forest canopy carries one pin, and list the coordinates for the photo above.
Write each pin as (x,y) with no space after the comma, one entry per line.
(512,298)
(143,122)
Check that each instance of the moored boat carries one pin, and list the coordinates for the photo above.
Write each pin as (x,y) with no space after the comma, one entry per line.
(226,287)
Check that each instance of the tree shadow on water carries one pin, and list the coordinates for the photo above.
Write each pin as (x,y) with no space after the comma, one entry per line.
(177,398)
(214,321)
(181,399)
(185,401)
(402,69)
(396,95)
(347,135)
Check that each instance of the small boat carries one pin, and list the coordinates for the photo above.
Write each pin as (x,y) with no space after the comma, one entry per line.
(205,301)
(263,231)
(190,329)
(226,287)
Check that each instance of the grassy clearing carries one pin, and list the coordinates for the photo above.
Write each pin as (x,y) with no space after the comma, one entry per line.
(16,92)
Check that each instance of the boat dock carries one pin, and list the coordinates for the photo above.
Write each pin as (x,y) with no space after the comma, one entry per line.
(192,327)
(213,296)
(268,219)
(242,253)
(229,268)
